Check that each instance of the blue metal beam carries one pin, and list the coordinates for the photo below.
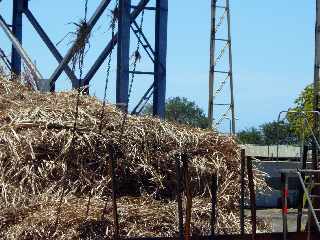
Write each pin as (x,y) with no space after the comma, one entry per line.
(91,23)
(20,51)
(107,50)
(159,96)
(143,101)
(17,32)
(123,54)
(49,44)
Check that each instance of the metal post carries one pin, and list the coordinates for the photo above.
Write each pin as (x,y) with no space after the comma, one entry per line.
(123,54)
(252,198)
(188,193)
(17,32)
(243,165)
(316,107)
(215,58)
(301,192)
(179,199)
(285,193)
(114,156)
(233,118)
(212,59)
(316,84)
(159,96)
(214,190)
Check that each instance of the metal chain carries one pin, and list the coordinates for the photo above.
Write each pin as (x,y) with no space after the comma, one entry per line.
(223,116)
(102,114)
(115,149)
(113,27)
(113,153)
(137,57)
(221,20)
(221,53)
(85,10)
(77,60)
(222,84)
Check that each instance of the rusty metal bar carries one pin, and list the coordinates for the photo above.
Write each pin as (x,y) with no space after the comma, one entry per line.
(179,199)
(243,165)
(311,209)
(252,198)
(300,201)
(285,193)
(259,236)
(214,191)
(113,152)
(188,193)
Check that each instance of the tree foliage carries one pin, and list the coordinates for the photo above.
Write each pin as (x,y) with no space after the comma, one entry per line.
(303,103)
(269,134)
(278,132)
(183,111)
(250,136)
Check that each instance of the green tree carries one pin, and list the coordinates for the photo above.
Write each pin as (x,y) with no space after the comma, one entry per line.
(303,103)
(278,132)
(269,134)
(183,111)
(250,136)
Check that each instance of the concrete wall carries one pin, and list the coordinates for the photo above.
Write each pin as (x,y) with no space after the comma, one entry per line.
(285,151)
(270,199)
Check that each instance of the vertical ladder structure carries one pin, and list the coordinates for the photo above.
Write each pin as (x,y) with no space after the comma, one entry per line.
(220,73)
(307,184)
(316,108)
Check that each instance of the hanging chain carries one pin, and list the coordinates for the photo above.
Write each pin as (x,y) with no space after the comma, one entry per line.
(113,27)
(221,20)
(115,150)
(223,50)
(221,85)
(223,116)
(77,60)
(136,56)
(85,10)
(102,113)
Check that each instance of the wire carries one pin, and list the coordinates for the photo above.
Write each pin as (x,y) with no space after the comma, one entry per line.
(77,61)
(221,54)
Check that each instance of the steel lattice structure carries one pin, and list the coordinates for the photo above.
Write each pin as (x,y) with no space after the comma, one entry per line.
(220,46)
(127,26)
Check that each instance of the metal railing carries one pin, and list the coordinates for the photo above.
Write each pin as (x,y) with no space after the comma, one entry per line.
(312,212)
(305,125)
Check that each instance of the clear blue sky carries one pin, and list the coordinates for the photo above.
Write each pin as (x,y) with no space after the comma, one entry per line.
(273,50)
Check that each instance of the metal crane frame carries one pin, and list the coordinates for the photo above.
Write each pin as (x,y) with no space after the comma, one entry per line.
(126,22)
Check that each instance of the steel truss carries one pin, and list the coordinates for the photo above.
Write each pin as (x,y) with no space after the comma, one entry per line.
(218,29)
(126,23)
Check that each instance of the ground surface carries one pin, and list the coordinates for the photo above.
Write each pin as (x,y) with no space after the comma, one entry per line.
(274,216)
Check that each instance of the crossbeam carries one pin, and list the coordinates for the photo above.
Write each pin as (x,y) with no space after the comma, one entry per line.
(20,51)
(49,44)
(65,61)
(112,43)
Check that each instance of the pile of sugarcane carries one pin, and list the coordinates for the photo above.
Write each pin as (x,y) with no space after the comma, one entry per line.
(55,180)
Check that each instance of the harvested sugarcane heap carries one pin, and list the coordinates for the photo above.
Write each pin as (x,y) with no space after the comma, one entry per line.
(48,172)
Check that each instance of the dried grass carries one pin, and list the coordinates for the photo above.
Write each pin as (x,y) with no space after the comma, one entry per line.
(37,162)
